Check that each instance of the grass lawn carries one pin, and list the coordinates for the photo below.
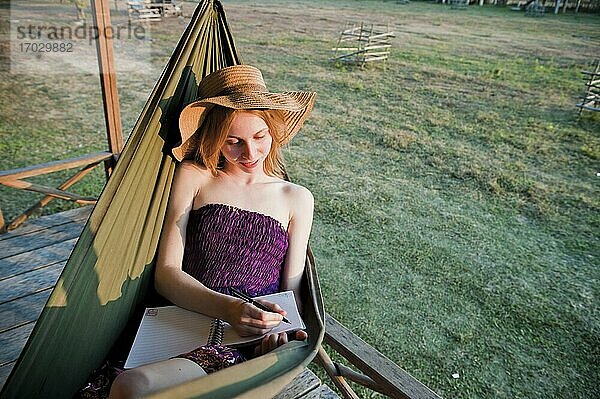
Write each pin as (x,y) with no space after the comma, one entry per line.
(457,199)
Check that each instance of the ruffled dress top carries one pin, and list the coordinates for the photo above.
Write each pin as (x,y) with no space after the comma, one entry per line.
(231,247)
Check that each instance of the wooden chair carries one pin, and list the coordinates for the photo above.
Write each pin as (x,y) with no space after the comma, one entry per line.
(377,372)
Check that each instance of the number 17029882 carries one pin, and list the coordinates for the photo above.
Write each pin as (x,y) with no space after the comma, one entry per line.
(46,47)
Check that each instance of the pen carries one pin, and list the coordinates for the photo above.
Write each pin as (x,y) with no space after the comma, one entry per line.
(247,298)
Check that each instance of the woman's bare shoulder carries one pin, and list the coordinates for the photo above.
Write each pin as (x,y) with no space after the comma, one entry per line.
(190,170)
(298,196)
(189,179)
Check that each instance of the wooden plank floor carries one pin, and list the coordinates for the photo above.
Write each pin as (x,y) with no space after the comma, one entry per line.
(31,260)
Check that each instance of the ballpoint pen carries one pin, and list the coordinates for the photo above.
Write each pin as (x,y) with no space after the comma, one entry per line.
(259,305)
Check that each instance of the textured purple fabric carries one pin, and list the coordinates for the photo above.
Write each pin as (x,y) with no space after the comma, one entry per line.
(214,357)
(231,247)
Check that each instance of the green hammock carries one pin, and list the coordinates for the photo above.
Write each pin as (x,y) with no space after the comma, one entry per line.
(110,270)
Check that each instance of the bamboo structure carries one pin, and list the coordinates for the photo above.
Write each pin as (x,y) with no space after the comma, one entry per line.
(591,99)
(360,44)
(153,10)
(141,11)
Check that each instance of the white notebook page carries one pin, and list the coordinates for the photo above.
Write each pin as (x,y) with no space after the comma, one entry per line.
(170,330)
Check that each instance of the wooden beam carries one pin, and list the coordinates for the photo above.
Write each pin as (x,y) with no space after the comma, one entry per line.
(325,361)
(17,243)
(24,185)
(22,311)
(16,222)
(359,378)
(108,77)
(588,107)
(41,169)
(383,57)
(37,258)
(30,282)
(394,381)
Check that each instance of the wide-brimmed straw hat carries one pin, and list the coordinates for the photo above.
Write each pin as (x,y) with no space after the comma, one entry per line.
(241,87)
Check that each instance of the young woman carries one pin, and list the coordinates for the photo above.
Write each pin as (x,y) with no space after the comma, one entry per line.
(232,220)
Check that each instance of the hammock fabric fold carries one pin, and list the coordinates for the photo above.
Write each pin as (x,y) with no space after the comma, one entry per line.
(110,270)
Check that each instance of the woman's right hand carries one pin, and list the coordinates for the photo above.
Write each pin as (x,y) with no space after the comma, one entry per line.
(249,320)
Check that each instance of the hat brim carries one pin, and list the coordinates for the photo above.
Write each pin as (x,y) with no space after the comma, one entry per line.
(294,107)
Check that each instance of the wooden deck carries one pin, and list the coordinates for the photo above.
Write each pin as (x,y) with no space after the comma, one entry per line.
(31,260)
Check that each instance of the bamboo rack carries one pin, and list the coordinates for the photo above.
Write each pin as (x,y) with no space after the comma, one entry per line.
(360,44)
(590,101)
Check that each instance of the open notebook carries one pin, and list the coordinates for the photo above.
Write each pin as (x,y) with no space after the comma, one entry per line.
(170,330)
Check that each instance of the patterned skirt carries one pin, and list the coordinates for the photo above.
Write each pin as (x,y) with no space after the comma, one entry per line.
(213,357)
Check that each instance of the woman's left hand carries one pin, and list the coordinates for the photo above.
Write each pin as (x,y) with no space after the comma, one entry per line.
(273,341)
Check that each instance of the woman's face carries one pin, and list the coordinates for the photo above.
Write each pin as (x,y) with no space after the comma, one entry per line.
(248,142)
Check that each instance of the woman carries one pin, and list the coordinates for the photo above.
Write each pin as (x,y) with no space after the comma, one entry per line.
(232,221)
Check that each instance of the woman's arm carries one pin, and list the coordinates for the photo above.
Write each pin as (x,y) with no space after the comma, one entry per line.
(181,288)
(301,216)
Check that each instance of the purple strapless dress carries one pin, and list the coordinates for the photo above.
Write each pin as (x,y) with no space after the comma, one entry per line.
(231,247)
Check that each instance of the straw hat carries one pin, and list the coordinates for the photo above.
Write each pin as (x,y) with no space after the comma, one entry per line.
(241,87)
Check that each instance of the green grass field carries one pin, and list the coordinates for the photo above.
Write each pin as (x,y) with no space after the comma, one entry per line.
(457,199)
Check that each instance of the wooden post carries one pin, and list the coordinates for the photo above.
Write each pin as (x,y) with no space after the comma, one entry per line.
(325,361)
(108,80)
(359,42)
(2,226)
